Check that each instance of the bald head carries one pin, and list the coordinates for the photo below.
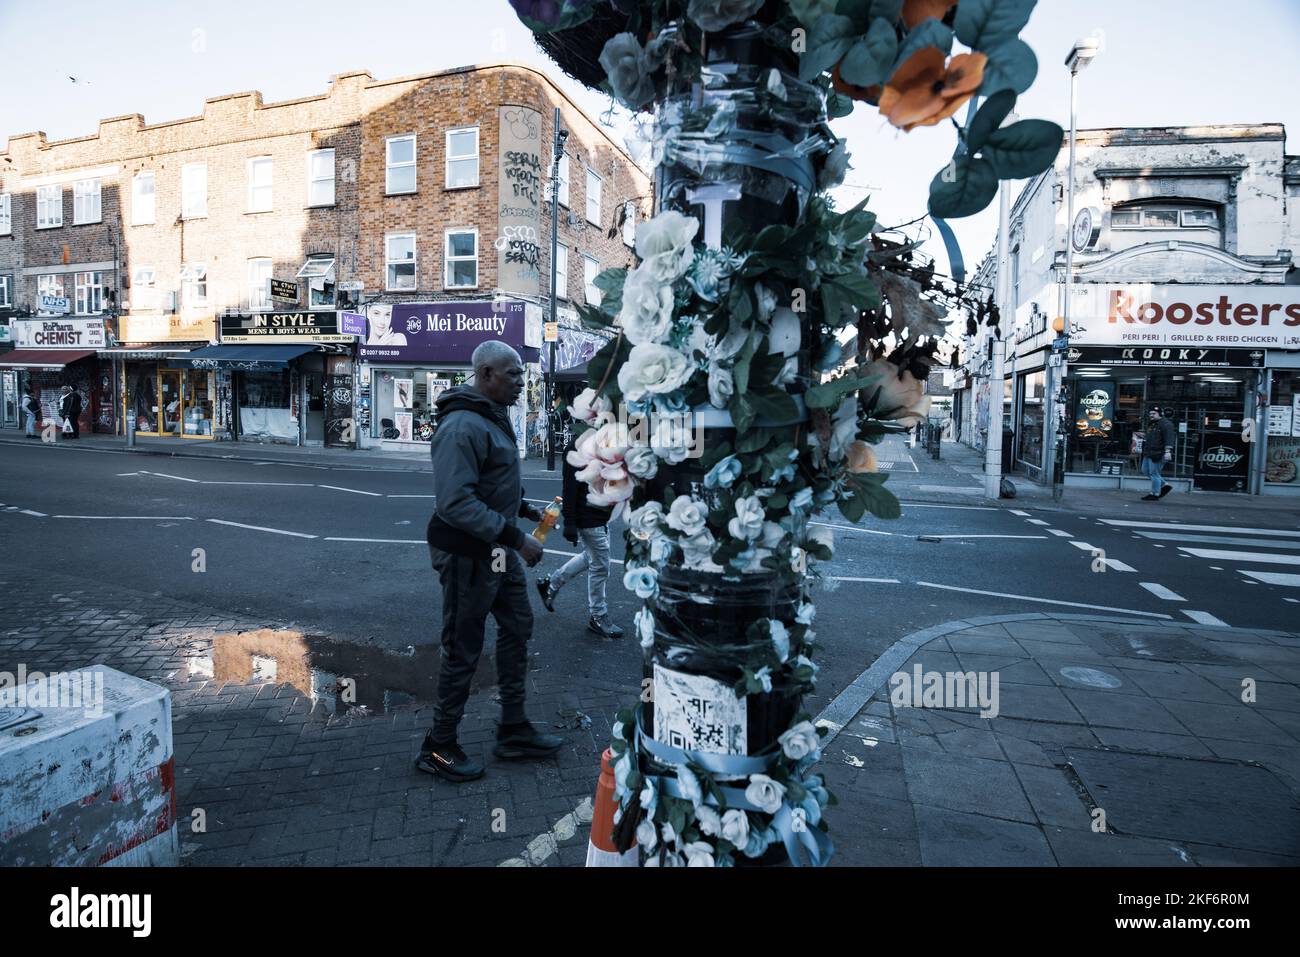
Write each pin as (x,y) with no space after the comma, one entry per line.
(498,372)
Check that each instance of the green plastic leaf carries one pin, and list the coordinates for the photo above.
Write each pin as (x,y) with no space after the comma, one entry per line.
(1023,149)
(775,405)
(858,290)
(963,188)
(838,105)
(928,33)
(1012,66)
(742,413)
(828,41)
(869,60)
(983,24)
(989,118)
(828,394)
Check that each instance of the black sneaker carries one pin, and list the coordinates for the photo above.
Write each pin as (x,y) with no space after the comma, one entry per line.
(603,627)
(518,741)
(448,761)
(1150,498)
(1165,490)
(544,589)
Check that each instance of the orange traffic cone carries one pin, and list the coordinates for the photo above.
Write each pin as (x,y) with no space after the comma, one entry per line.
(600,848)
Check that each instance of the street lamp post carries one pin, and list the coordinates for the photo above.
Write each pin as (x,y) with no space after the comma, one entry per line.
(557,152)
(1081,54)
(993,444)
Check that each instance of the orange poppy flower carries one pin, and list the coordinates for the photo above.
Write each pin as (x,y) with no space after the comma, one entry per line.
(868,94)
(925,91)
(914,11)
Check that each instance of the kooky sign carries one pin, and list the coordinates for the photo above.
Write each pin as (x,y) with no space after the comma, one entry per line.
(1234,316)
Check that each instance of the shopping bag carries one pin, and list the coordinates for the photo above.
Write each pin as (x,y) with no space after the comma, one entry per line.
(67,426)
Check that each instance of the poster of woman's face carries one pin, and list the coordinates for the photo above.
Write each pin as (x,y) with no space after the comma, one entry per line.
(403,422)
(380,323)
(403,390)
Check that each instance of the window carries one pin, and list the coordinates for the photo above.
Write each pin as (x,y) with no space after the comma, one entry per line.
(194,285)
(1160,219)
(1164,216)
(1200,219)
(629,223)
(89,293)
(85,201)
(194,190)
(320,178)
(593,197)
(590,270)
(49,286)
(561,277)
(399,173)
(144,289)
(1125,218)
(142,199)
(6,215)
(462,158)
(49,206)
(564,180)
(261,170)
(318,270)
(462,258)
(6,292)
(259,282)
(399,255)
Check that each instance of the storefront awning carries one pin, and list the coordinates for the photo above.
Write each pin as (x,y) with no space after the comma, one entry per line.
(142,352)
(241,358)
(43,358)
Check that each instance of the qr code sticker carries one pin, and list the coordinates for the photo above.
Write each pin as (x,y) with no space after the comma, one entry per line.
(697,713)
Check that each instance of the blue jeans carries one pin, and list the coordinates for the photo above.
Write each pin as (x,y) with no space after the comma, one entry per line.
(31,422)
(594,557)
(1152,468)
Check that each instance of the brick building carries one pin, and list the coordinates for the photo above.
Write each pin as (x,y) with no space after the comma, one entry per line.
(419,202)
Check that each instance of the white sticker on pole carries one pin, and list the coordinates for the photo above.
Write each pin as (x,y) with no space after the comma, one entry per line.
(697,713)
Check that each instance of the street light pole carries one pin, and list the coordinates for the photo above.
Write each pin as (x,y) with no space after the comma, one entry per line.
(557,151)
(993,444)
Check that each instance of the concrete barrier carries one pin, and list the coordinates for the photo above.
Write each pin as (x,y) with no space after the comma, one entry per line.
(86,770)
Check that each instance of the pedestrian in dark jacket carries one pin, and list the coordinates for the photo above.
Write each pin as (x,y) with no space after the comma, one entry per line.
(589,524)
(479,552)
(1157,449)
(70,411)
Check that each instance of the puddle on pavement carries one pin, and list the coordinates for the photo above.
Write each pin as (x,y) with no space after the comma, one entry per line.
(338,676)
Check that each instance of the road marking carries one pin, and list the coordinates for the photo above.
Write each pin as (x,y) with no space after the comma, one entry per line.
(377,541)
(28,511)
(1273,578)
(957,489)
(853,528)
(411,496)
(259,528)
(1292,600)
(1179,527)
(354,491)
(143,518)
(179,478)
(1037,521)
(1205,618)
(1268,558)
(265,484)
(1222,540)
(871,581)
(965,508)
(1057,532)
(976,536)
(1044,601)
(122,474)
(1084,545)
(1160,591)
(1016,511)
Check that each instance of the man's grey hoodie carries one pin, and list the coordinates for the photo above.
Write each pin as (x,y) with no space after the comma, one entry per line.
(476,476)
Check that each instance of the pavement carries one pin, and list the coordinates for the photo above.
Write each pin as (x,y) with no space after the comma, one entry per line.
(1114,694)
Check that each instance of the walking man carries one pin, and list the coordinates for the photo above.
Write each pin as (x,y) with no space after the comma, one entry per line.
(31,412)
(70,411)
(1157,449)
(479,555)
(590,524)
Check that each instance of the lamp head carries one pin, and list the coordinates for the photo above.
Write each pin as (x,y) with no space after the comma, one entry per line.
(1083,51)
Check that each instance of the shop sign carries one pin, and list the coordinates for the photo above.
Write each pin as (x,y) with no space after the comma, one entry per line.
(59,334)
(1198,357)
(1222,461)
(1279,420)
(1154,314)
(283,290)
(442,331)
(167,328)
(1095,412)
(352,323)
(1283,459)
(282,327)
(59,304)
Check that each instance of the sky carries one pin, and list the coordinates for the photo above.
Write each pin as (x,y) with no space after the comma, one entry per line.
(1163,63)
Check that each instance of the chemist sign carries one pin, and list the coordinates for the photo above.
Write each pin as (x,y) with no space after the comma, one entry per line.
(59,333)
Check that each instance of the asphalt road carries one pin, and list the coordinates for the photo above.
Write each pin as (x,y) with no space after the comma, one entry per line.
(340,551)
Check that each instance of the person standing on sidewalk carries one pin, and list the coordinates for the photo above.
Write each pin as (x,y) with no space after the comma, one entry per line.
(590,524)
(31,412)
(70,412)
(479,554)
(1157,449)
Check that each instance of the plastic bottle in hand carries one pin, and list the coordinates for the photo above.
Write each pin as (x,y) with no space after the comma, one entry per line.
(549,517)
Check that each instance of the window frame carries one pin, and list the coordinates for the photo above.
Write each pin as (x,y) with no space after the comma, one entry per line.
(1182,217)
(260,286)
(43,203)
(448,259)
(186,191)
(591,291)
(6,214)
(78,288)
(136,180)
(255,162)
(312,180)
(138,284)
(561,278)
(81,195)
(197,276)
(389,262)
(389,166)
(44,284)
(447,183)
(318,279)
(600,198)
(6,290)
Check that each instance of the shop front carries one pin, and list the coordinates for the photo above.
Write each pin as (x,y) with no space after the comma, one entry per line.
(1202,355)
(52,353)
(160,399)
(412,352)
(1281,446)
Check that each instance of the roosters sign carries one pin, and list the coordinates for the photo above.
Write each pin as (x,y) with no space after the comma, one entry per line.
(1174,315)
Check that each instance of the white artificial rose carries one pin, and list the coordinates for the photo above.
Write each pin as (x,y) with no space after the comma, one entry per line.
(764,793)
(748,523)
(590,408)
(800,741)
(710,823)
(735,827)
(772,534)
(689,785)
(652,368)
(699,854)
(697,550)
(699,340)
(646,836)
(688,516)
(641,461)
(667,832)
(722,386)
(644,521)
(647,311)
(644,620)
(665,245)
